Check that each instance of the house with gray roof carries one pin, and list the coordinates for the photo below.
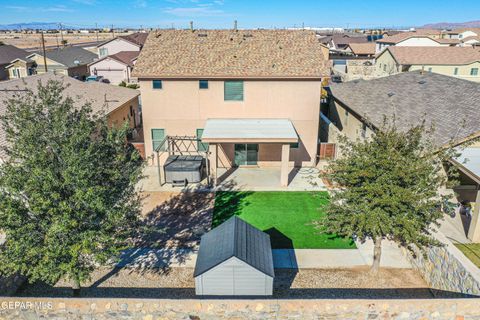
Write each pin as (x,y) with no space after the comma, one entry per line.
(450,105)
(235,259)
(7,54)
(70,61)
(118,103)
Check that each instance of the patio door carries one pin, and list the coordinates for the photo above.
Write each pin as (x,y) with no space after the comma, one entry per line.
(246,154)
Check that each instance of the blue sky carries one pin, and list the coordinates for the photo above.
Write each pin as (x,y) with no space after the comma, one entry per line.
(249,13)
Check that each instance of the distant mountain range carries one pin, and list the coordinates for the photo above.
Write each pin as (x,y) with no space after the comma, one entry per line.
(453,25)
(33,25)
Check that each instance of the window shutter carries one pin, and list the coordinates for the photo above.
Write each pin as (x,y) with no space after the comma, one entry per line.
(158,135)
(233,90)
(200,145)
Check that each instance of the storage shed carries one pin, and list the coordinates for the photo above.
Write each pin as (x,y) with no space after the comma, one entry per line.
(235,259)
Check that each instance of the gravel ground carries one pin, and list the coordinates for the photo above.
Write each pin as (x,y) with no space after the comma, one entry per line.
(178,283)
(175,220)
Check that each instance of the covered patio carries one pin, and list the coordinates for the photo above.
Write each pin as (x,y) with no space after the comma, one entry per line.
(468,164)
(238,141)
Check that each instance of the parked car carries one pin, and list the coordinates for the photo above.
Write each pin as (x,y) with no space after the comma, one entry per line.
(94,78)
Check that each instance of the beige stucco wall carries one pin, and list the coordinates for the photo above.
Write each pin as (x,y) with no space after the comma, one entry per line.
(51,65)
(181,107)
(344,123)
(385,65)
(117,45)
(122,114)
(449,70)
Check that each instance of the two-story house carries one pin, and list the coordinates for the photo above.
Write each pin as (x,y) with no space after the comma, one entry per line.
(251,97)
(118,57)
(459,62)
(359,108)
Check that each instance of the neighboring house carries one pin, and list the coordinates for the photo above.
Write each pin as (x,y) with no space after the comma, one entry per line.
(460,62)
(70,61)
(116,67)
(9,53)
(341,41)
(234,259)
(411,39)
(120,104)
(461,33)
(251,97)
(131,42)
(358,108)
(362,50)
(470,41)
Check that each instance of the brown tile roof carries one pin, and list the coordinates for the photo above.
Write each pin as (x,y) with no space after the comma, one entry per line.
(411,34)
(137,37)
(435,55)
(232,54)
(363,48)
(343,39)
(461,30)
(81,92)
(471,38)
(126,57)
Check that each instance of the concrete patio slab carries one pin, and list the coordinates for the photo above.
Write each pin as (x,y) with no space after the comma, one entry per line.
(268,179)
(244,179)
(392,255)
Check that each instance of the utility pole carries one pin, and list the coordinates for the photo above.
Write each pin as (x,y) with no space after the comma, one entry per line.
(61,33)
(44,54)
(96,30)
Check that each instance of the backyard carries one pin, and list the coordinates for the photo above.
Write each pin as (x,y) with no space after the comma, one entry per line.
(288,217)
(471,251)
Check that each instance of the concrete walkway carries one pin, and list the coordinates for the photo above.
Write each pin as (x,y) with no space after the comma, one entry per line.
(245,179)
(392,257)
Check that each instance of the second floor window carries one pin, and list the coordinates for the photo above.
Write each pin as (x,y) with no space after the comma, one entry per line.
(474,72)
(156,84)
(103,52)
(203,84)
(233,90)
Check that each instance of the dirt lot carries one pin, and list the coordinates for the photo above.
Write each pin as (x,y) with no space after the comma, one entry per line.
(307,283)
(22,40)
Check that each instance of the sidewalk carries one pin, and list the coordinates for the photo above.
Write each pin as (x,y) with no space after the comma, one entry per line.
(392,257)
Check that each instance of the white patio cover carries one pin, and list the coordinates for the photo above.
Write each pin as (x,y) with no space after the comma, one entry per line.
(249,131)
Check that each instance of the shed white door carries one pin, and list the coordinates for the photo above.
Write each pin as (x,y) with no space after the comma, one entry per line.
(234,278)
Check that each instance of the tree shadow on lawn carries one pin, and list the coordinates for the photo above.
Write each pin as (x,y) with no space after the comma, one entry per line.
(228,204)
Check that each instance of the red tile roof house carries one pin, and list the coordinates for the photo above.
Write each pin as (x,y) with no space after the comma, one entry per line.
(116,67)
(250,97)
(117,58)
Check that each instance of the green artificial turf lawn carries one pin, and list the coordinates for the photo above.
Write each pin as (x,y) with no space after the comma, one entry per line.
(286,216)
(471,251)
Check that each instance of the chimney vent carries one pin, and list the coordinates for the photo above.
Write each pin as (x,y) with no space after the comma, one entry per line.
(191,25)
(235,25)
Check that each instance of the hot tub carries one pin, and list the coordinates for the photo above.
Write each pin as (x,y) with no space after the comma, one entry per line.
(181,170)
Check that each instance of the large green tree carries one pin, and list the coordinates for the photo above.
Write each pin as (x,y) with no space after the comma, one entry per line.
(68,199)
(388,188)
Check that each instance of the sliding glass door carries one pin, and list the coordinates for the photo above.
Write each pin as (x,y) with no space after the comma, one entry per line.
(246,154)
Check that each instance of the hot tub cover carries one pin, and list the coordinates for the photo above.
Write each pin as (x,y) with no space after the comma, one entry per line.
(183,163)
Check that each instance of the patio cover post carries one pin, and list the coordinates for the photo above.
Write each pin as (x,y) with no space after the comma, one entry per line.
(285,161)
(474,230)
(213,162)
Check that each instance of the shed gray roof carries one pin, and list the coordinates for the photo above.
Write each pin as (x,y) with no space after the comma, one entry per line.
(103,97)
(235,238)
(9,53)
(69,55)
(450,104)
